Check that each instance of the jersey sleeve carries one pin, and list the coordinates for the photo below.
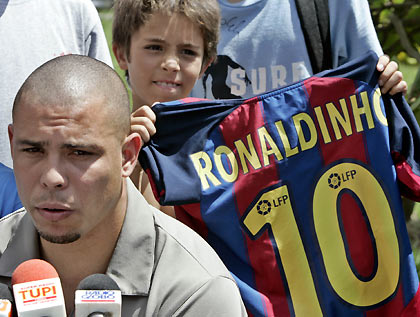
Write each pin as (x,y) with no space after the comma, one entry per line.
(404,134)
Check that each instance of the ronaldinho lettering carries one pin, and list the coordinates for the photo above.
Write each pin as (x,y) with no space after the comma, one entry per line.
(244,155)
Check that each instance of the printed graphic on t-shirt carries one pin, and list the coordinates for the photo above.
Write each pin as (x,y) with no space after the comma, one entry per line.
(227,79)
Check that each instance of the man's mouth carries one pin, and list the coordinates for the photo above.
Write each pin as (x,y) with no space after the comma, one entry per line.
(54,211)
(53,207)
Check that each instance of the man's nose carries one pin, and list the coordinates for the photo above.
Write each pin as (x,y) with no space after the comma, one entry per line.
(53,175)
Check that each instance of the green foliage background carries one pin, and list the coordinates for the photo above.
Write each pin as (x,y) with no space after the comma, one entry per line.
(398,28)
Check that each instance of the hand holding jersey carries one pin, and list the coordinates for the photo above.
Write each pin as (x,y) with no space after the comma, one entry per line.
(391,79)
(143,122)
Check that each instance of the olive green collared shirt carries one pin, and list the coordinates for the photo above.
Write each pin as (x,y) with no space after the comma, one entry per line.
(162,267)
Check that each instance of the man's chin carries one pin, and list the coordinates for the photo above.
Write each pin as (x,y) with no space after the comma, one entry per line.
(60,239)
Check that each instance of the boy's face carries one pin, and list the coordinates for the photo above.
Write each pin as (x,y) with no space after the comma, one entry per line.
(166,56)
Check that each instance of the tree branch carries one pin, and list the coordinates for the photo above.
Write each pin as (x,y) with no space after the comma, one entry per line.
(405,42)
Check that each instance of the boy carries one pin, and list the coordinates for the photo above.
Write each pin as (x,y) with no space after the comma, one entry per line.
(164,46)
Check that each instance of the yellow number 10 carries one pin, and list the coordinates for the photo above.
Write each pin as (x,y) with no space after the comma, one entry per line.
(274,208)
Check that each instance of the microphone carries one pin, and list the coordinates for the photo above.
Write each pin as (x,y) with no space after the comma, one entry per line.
(6,301)
(37,290)
(98,295)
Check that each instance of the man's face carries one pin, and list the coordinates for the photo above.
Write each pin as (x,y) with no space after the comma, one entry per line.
(68,167)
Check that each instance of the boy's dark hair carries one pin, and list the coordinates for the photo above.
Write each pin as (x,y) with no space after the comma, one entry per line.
(130,15)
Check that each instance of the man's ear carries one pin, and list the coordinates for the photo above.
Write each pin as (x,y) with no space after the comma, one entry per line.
(204,67)
(10,132)
(130,153)
(120,55)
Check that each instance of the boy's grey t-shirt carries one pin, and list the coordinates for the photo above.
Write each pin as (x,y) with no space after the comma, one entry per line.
(35,31)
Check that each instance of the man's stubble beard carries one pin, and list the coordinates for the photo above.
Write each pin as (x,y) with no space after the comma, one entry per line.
(64,239)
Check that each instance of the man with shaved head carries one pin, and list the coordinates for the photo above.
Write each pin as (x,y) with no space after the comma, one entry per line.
(73,154)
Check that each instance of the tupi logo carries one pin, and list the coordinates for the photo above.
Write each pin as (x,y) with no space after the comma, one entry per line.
(38,293)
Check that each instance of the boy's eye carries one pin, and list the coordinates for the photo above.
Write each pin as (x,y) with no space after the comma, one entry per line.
(189,52)
(80,153)
(154,47)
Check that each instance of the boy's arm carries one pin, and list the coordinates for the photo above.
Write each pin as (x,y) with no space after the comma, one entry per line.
(143,122)
(391,79)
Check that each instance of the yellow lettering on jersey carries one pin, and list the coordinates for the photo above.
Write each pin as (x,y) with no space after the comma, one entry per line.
(336,117)
(224,150)
(377,107)
(322,125)
(313,136)
(204,171)
(246,155)
(285,140)
(359,180)
(266,139)
(274,208)
(358,111)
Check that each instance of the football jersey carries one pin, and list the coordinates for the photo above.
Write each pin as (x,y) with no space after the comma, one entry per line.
(298,191)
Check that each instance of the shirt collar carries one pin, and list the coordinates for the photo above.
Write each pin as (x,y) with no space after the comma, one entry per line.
(132,263)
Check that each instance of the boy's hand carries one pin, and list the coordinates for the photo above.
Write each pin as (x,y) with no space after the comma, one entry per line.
(391,79)
(143,122)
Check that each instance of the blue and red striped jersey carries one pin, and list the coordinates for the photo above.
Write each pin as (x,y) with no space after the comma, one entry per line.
(298,190)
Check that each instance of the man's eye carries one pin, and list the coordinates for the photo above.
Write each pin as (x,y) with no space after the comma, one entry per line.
(32,150)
